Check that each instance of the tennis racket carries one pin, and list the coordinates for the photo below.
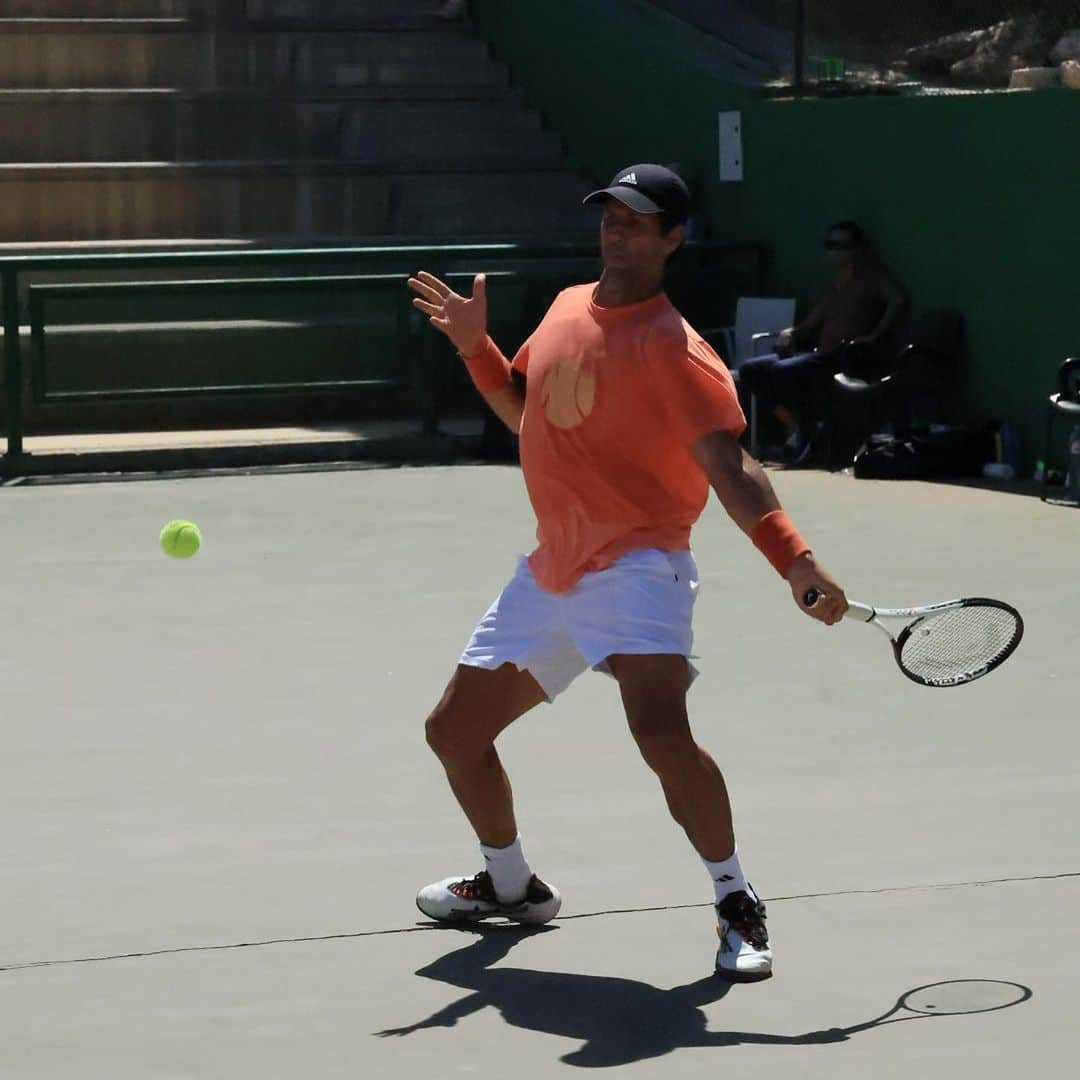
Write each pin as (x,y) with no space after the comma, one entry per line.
(946,644)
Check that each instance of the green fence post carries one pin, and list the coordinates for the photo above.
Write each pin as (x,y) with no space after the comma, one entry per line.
(9,282)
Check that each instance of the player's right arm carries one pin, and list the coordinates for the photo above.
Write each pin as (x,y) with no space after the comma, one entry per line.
(747,495)
(464,321)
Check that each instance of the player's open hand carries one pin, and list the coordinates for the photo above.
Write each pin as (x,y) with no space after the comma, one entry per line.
(463,319)
(805,575)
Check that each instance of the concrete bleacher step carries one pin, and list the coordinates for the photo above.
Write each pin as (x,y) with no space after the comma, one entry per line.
(42,203)
(345,14)
(440,72)
(42,54)
(298,443)
(332,9)
(132,126)
(441,58)
(98,9)
(516,146)
(34,24)
(72,53)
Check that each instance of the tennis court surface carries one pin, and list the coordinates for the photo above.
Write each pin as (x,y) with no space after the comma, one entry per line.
(218,804)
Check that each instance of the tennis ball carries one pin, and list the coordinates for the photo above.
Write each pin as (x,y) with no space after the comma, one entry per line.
(180,539)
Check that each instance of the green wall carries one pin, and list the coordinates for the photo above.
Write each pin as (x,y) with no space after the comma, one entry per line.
(618,79)
(973,199)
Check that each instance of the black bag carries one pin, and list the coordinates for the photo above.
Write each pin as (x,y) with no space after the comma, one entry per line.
(919,455)
(888,457)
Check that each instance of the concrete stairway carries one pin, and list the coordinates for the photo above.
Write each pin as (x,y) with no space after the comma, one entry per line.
(290,120)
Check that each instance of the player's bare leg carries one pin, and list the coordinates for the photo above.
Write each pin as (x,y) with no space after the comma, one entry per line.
(475,708)
(653,689)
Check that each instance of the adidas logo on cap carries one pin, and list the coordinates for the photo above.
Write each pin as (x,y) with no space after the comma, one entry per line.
(646,189)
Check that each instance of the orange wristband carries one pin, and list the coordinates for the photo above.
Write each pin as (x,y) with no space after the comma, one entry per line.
(779,541)
(489,369)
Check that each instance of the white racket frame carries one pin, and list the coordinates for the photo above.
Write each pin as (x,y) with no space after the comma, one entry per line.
(865,613)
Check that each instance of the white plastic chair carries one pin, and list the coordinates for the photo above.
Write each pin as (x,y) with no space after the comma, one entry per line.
(758,321)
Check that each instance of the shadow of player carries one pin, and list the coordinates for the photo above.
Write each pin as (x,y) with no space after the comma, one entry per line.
(618,1021)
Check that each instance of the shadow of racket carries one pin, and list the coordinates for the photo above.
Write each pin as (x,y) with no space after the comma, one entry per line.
(956,997)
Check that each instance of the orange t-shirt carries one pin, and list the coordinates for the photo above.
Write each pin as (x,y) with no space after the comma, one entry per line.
(615,398)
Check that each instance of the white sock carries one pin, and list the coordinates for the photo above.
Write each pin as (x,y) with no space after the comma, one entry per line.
(510,872)
(727,876)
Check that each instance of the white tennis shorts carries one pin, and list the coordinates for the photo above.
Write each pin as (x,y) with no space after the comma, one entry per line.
(643,603)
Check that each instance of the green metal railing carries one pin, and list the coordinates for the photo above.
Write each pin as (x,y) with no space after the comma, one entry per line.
(40,296)
(303,270)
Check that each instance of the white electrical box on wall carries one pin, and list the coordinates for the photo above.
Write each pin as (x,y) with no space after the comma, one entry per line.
(731,157)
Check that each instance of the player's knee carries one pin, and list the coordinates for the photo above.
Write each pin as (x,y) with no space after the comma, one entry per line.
(667,752)
(441,733)
(449,736)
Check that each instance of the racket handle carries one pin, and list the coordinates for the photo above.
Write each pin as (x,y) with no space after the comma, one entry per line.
(861,612)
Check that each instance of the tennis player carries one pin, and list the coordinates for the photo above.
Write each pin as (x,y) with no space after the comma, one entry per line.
(627,418)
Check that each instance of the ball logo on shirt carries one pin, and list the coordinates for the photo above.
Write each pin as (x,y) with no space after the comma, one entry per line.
(568,395)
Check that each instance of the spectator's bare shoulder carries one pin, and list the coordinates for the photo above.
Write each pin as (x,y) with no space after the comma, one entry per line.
(896,290)
(886,282)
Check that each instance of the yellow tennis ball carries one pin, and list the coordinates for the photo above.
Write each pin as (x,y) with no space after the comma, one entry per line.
(180,539)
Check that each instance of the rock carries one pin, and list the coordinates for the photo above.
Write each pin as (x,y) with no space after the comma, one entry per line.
(1068,48)
(938,56)
(1016,43)
(865,73)
(1070,74)
(1034,78)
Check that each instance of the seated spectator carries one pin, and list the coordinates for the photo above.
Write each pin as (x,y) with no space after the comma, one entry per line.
(851,328)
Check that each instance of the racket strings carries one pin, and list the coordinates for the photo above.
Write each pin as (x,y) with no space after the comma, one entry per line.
(964,641)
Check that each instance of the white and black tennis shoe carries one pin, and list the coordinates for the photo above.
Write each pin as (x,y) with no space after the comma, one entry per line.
(744,954)
(473,899)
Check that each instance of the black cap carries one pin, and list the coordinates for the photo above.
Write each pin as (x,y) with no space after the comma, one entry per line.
(648,189)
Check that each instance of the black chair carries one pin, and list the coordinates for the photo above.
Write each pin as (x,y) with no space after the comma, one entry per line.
(1066,402)
(912,388)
